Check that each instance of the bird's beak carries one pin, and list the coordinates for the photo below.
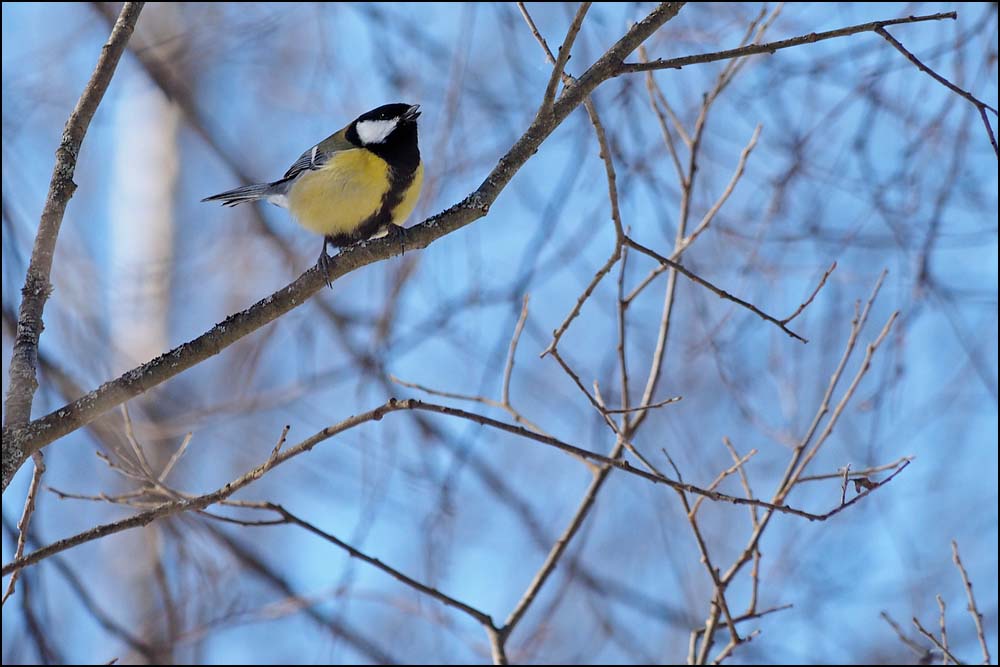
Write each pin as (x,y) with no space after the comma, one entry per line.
(412,113)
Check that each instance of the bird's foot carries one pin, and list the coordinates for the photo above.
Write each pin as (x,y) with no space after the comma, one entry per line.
(398,233)
(324,262)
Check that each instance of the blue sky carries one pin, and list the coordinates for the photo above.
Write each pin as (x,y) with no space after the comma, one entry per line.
(865,143)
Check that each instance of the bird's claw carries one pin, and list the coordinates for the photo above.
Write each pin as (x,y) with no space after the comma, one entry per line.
(398,233)
(324,263)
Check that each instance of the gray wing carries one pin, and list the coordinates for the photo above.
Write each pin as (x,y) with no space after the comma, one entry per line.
(318,155)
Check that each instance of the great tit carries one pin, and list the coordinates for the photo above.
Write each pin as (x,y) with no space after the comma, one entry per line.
(360,182)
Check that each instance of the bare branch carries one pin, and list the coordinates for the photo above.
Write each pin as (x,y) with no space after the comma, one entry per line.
(944,628)
(843,484)
(717,206)
(848,393)
(649,406)
(290,518)
(857,325)
(805,304)
(564,51)
(864,472)
(36,290)
(201,502)
(772,47)
(934,640)
(25,520)
(981,106)
(924,654)
(977,618)
(588,290)
(512,352)
(704,283)
(175,457)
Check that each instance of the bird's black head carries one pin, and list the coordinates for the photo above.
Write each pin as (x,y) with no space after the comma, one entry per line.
(390,131)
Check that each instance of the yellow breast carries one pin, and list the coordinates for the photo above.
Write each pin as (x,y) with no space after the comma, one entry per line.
(338,197)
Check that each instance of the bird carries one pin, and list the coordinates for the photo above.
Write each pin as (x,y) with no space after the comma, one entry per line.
(361,182)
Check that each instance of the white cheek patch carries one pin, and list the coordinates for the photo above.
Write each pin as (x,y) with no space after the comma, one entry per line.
(375,131)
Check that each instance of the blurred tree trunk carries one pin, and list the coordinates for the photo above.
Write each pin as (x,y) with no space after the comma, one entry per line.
(144,182)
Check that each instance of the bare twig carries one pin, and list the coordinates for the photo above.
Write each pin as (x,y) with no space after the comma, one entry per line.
(587,291)
(649,406)
(276,578)
(621,312)
(857,325)
(175,457)
(554,556)
(534,31)
(498,651)
(618,252)
(737,467)
(446,394)
(731,646)
(848,393)
(754,523)
(923,653)
(805,304)
(508,370)
(934,640)
(981,106)
(25,520)
(140,461)
(843,484)
(749,617)
(281,440)
(772,47)
(864,472)
(290,518)
(944,628)
(563,57)
(719,601)
(977,618)
(686,176)
(719,292)
(717,206)
(655,94)
(504,403)
(609,169)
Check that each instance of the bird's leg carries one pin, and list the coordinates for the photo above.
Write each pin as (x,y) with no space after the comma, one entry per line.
(324,261)
(398,233)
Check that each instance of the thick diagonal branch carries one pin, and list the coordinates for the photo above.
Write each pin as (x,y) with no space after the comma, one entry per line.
(35,292)
(19,443)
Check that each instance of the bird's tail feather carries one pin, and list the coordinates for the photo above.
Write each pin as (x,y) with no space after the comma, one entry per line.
(243,194)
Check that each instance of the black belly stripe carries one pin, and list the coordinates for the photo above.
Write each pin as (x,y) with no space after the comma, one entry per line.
(399,182)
